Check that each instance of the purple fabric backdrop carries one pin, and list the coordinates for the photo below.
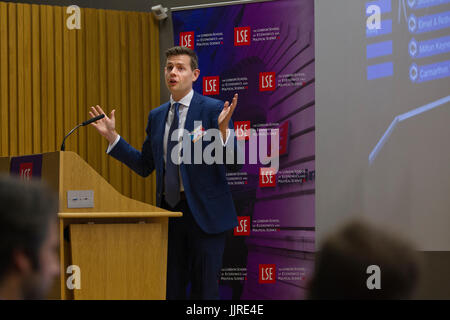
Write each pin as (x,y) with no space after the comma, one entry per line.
(271,254)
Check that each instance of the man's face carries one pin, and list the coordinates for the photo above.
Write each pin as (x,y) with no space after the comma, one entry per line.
(38,283)
(179,75)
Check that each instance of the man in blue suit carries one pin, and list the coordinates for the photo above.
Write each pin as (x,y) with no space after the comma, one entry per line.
(199,190)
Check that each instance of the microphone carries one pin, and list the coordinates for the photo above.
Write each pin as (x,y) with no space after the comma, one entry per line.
(93,120)
(85,123)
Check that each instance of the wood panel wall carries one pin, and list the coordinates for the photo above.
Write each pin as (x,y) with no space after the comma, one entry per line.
(50,76)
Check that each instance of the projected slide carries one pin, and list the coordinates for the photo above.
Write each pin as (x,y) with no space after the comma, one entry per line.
(427,23)
(383,125)
(428,26)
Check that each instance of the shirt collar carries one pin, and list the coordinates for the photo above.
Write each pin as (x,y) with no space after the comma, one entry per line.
(185,101)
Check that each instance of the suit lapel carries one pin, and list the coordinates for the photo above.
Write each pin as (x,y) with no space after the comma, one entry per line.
(160,123)
(194,112)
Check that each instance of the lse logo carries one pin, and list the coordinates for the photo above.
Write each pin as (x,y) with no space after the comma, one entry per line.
(242,36)
(267,177)
(210,86)
(243,228)
(26,170)
(242,130)
(187,39)
(267,273)
(266,81)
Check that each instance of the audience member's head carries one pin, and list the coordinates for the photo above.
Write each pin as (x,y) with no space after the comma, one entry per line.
(342,265)
(28,239)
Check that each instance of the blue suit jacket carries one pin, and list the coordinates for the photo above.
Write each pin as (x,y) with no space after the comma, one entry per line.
(205,186)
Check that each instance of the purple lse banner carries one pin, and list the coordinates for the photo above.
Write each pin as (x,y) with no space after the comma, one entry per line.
(264,52)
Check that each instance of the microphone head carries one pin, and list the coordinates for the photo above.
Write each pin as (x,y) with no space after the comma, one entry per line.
(93,120)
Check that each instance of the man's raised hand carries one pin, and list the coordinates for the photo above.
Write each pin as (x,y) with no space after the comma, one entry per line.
(106,126)
(225,115)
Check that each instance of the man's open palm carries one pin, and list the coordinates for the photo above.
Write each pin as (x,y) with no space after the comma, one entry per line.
(227,112)
(106,126)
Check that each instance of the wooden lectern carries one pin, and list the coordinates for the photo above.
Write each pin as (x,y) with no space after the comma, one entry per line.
(4,165)
(119,244)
